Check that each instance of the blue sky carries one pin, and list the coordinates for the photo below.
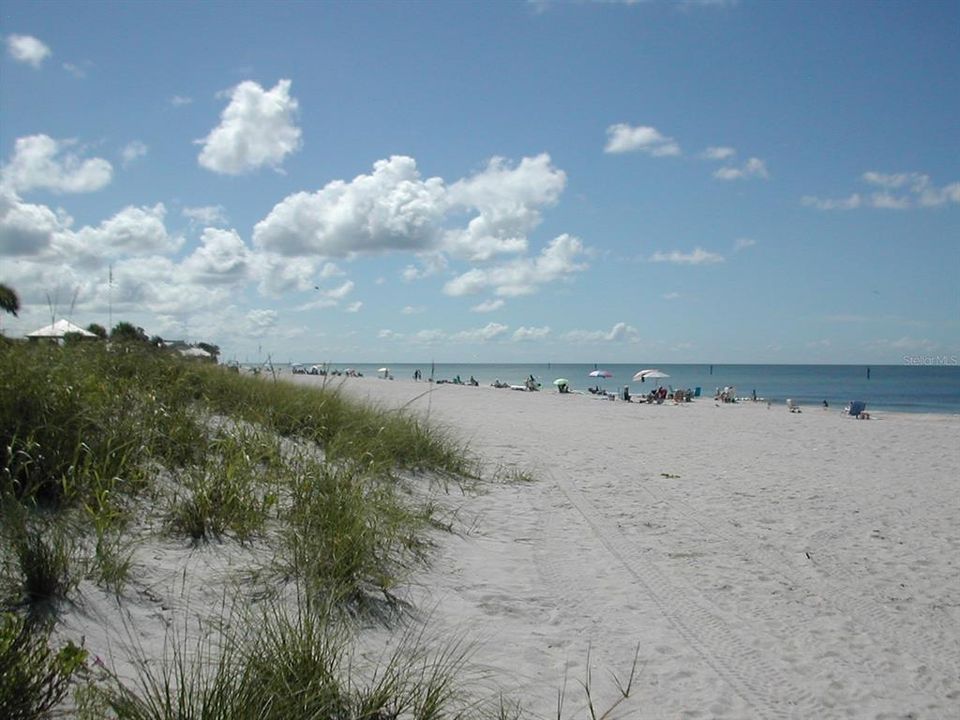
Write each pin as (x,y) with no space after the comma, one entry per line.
(489,182)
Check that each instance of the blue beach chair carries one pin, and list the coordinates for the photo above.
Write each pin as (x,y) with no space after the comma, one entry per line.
(856,408)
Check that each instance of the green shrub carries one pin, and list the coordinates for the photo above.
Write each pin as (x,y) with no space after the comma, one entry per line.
(33,678)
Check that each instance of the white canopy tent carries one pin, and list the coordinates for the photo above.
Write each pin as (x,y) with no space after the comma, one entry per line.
(58,330)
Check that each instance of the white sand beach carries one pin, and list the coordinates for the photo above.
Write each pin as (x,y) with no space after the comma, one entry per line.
(757,563)
(764,564)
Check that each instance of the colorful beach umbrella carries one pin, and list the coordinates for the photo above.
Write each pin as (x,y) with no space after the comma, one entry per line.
(601,373)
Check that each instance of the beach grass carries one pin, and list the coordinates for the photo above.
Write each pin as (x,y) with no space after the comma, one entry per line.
(34,678)
(282,662)
(100,447)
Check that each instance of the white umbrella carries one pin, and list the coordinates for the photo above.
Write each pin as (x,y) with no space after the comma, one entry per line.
(649,373)
(600,373)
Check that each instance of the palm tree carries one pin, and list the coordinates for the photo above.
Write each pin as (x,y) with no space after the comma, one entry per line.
(9,301)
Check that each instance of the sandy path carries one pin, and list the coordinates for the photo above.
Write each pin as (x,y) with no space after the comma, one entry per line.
(766,564)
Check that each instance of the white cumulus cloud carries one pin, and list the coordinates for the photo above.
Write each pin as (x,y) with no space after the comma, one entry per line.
(206,215)
(132,151)
(221,258)
(488,305)
(257,129)
(490,331)
(621,332)
(330,270)
(848,203)
(40,162)
(718,153)
(897,191)
(431,264)
(699,256)
(508,200)
(523,276)
(260,322)
(25,228)
(529,334)
(894,181)
(27,49)
(331,297)
(279,274)
(77,71)
(430,337)
(752,168)
(623,138)
(133,231)
(394,209)
(389,209)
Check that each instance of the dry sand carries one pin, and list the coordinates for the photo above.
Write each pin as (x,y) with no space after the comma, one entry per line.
(766,564)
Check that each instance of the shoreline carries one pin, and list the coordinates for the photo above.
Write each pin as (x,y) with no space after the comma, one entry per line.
(907,389)
(775,404)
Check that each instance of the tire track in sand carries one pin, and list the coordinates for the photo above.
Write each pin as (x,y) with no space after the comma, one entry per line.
(761,681)
(872,621)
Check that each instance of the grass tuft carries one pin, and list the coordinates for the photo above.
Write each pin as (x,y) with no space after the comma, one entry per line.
(33,678)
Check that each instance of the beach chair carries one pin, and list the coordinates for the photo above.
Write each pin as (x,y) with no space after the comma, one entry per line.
(793,406)
(857,409)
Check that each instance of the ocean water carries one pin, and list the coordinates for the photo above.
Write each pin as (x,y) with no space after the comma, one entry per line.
(930,388)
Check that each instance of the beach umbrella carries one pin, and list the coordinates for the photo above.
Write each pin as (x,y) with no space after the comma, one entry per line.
(601,373)
(561,381)
(649,373)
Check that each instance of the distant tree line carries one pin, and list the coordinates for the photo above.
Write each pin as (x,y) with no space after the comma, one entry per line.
(122,332)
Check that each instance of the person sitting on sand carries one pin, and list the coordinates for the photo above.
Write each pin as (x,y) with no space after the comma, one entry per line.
(563,388)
